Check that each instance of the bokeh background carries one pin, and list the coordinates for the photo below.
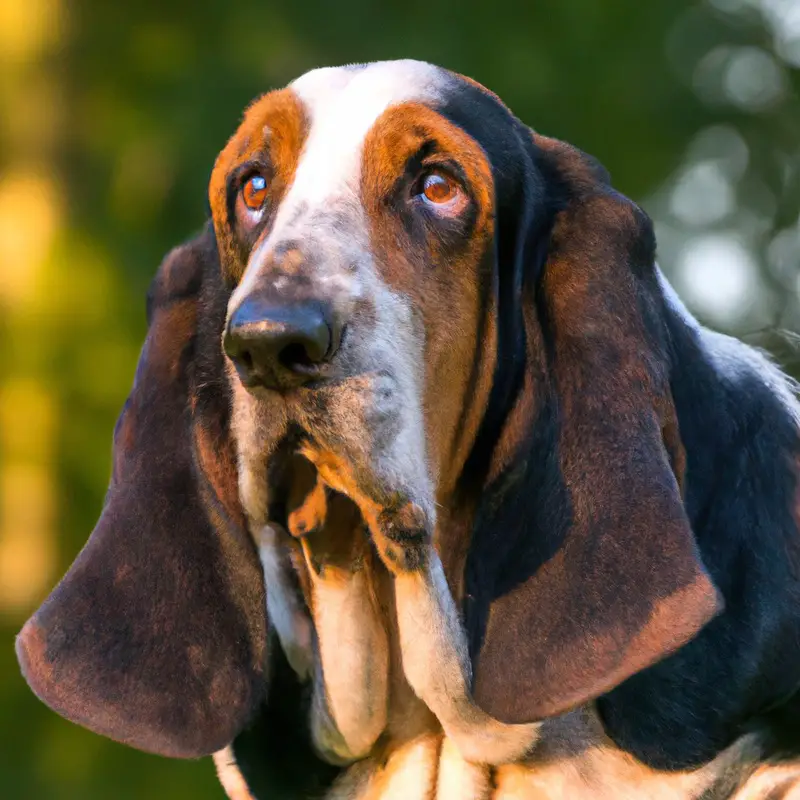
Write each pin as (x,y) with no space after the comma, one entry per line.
(111,114)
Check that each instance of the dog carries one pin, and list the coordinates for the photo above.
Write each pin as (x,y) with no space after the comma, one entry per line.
(430,487)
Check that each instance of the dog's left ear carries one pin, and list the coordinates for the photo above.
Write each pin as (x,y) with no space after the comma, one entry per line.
(583,568)
(156,637)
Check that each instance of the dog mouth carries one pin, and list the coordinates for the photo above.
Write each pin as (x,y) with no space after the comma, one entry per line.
(349,498)
(300,486)
(289,474)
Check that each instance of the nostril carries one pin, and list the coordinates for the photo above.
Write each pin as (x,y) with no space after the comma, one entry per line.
(279,347)
(337,342)
(295,355)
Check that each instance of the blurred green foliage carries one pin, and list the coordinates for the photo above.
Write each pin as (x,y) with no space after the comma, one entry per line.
(111,115)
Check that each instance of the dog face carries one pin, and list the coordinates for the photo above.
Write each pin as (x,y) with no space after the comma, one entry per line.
(361,271)
(413,306)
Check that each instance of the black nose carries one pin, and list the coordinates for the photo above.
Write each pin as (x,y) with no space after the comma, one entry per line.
(278,346)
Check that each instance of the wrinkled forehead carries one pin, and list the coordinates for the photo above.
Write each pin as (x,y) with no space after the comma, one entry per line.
(342,104)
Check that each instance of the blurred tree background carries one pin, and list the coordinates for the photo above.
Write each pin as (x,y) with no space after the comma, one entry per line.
(111,114)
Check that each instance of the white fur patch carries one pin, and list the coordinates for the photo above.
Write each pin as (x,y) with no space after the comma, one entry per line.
(343,104)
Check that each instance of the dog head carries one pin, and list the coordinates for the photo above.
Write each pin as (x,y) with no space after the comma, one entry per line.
(442,311)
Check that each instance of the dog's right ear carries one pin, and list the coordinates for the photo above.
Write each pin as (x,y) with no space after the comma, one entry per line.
(156,637)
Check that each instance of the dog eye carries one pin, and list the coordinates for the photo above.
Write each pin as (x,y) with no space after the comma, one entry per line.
(443,194)
(254,192)
(439,189)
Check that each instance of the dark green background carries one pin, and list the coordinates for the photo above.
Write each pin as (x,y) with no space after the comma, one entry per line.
(111,114)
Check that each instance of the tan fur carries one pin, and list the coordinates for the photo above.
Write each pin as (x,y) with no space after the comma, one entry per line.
(459,778)
(458,352)
(353,667)
(351,694)
(408,773)
(574,760)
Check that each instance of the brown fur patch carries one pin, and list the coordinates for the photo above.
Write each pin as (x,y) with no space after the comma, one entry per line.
(271,134)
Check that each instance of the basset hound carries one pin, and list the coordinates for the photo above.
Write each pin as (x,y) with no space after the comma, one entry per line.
(430,487)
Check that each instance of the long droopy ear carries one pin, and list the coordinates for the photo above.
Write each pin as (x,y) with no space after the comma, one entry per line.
(156,635)
(583,566)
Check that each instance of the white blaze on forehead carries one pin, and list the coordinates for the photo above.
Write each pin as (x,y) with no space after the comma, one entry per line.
(343,104)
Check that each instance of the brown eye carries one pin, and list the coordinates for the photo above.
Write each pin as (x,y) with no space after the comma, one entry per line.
(254,192)
(439,189)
